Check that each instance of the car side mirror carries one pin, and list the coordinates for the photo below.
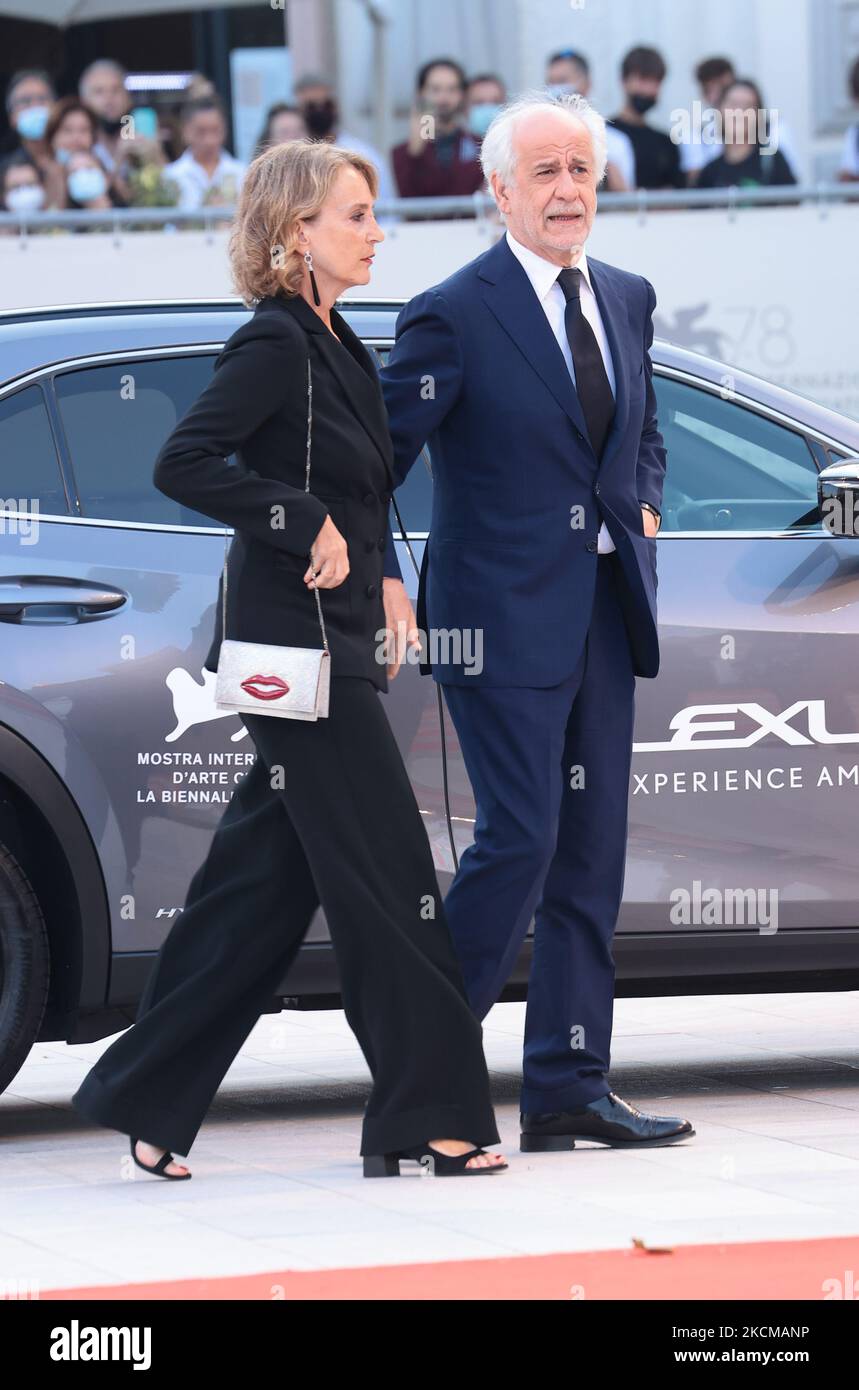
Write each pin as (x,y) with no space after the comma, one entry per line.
(838,497)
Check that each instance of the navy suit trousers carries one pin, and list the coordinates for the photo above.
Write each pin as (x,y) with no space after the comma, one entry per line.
(550,772)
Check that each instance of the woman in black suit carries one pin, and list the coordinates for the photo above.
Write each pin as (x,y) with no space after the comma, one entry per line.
(326,812)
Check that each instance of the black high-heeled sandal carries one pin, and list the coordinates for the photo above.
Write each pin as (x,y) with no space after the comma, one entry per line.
(441,1165)
(158,1168)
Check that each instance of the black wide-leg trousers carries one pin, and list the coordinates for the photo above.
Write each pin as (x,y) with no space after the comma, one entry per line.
(326,813)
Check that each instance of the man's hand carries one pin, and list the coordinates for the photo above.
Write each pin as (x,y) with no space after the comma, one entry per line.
(400,622)
(651,525)
(329,558)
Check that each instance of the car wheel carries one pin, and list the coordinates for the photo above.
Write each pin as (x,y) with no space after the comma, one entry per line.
(25,966)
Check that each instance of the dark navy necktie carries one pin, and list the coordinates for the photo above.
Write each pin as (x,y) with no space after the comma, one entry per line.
(592,383)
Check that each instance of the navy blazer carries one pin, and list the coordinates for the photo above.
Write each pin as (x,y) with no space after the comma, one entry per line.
(518,493)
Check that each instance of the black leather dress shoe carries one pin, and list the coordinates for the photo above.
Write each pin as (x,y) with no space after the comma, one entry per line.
(608,1120)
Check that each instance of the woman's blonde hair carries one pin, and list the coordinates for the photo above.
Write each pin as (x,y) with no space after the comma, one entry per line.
(283,184)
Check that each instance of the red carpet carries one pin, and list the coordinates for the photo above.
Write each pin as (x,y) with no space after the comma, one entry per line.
(791,1269)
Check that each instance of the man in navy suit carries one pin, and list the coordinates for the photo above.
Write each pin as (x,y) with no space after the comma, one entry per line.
(528,372)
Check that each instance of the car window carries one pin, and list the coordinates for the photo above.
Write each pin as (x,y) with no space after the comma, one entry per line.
(414,498)
(30,478)
(730,469)
(116,417)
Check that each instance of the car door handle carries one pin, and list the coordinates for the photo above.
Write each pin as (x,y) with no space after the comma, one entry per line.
(46,599)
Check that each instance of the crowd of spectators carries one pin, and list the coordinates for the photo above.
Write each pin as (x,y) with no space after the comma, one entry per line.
(96,150)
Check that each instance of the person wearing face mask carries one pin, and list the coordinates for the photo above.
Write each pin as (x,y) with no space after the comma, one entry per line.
(318,105)
(485,96)
(657,157)
(29,98)
(118,146)
(72,131)
(87,183)
(21,187)
(440,158)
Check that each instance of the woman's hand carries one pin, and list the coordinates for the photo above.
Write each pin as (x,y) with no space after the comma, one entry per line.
(329,558)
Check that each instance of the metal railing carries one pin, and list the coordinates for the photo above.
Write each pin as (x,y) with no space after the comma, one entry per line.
(479,205)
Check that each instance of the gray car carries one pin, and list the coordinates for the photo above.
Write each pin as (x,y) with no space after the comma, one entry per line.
(115,766)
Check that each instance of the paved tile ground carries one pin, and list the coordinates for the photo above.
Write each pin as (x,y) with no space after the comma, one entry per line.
(771,1083)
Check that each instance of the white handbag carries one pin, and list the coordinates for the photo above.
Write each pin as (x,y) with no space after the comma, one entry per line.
(259,678)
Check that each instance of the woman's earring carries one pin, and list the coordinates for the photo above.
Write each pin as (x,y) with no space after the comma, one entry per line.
(308,260)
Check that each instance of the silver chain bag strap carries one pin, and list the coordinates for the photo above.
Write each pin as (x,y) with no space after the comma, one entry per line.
(258,678)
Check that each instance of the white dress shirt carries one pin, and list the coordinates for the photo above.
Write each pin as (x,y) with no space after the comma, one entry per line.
(621,153)
(194,182)
(543,275)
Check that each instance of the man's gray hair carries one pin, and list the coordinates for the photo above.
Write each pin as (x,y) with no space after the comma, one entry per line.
(497,154)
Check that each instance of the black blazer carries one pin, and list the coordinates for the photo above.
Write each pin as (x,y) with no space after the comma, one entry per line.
(256,407)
